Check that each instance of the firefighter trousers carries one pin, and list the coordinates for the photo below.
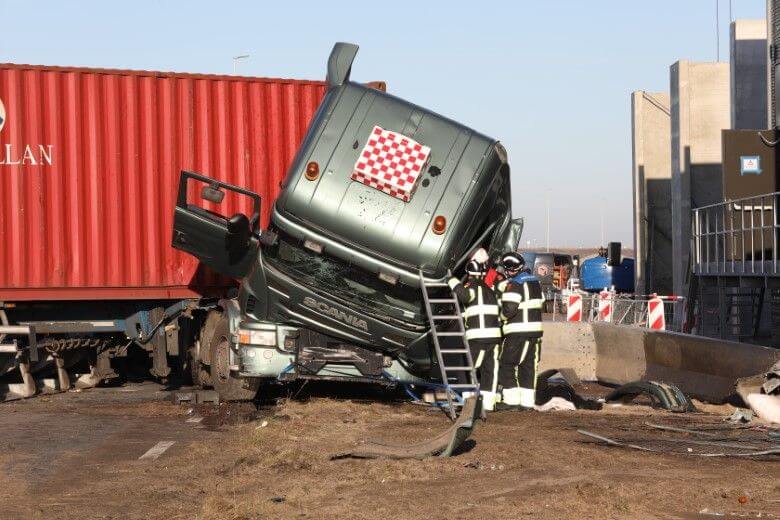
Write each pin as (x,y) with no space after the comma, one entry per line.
(484,352)
(517,368)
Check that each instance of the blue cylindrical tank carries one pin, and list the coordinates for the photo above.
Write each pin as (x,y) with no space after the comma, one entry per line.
(595,275)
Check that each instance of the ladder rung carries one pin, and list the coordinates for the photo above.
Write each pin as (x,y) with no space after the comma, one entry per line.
(463,385)
(446,317)
(442,300)
(453,351)
(436,284)
(458,369)
(450,333)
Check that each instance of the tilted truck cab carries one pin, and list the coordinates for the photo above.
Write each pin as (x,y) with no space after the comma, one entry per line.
(332,288)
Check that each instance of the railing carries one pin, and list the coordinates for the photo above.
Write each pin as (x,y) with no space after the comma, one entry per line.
(737,237)
(626,309)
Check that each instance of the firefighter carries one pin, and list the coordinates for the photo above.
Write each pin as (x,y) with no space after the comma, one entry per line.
(483,328)
(521,300)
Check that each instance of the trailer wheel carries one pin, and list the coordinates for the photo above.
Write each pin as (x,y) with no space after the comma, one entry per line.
(229,387)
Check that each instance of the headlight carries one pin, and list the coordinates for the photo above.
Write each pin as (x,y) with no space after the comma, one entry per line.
(257,337)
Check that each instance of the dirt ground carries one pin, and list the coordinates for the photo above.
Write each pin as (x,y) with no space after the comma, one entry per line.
(77,456)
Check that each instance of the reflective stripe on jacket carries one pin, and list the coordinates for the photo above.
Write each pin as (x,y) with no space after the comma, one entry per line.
(521,306)
(481,313)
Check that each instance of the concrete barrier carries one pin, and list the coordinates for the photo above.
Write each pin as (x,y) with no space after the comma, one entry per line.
(569,345)
(704,368)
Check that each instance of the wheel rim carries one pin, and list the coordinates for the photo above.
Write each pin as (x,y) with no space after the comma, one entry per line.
(222,363)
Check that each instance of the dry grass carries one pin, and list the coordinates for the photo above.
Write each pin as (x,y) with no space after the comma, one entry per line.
(521,465)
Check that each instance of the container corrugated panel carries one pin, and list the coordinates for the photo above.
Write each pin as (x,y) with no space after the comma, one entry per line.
(89,169)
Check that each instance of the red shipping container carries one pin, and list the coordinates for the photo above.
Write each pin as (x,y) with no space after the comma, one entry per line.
(89,169)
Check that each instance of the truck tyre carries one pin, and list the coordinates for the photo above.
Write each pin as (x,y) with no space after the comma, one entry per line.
(200,358)
(198,372)
(229,387)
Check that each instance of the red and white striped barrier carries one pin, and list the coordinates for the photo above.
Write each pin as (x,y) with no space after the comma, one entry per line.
(671,298)
(605,306)
(656,319)
(574,308)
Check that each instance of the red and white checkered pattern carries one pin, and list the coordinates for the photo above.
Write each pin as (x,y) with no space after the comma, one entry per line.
(392,163)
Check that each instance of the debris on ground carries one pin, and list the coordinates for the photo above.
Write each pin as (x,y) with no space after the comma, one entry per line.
(740,416)
(710,439)
(762,393)
(238,471)
(663,395)
(765,406)
(556,404)
(441,445)
(560,384)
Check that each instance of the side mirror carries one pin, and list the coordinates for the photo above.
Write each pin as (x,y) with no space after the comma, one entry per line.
(238,233)
(238,224)
(212,194)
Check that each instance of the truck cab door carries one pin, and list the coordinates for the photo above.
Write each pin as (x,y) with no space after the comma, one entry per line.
(228,245)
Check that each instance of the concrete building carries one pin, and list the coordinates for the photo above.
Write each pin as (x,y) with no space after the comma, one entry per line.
(773,60)
(748,60)
(700,109)
(652,177)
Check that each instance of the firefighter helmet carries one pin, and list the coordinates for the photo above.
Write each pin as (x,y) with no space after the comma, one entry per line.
(475,268)
(512,262)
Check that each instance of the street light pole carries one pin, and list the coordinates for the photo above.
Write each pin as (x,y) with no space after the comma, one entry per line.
(548,221)
(235,61)
(602,225)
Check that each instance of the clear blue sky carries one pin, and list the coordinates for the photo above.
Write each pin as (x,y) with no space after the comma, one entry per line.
(550,79)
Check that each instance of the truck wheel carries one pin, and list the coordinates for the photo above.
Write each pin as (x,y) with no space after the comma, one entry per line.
(198,372)
(229,387)
(200,358)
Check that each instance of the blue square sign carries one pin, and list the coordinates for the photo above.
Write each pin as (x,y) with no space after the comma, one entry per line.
(749,164)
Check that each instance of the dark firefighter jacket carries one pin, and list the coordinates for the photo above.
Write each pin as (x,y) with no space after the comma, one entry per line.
(481,309)
(521,302)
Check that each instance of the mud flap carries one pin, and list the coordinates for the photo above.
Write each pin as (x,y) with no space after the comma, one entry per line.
(442,445)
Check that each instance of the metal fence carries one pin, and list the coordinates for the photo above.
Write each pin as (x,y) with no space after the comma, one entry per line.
(737,237)
(626,309)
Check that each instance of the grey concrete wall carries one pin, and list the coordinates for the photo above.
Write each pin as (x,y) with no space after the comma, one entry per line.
(700,109)
(748,72)
(705,368)
(702,367)
(569,345)
(652,177)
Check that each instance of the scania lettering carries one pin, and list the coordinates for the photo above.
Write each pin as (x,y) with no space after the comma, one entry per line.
(339,315)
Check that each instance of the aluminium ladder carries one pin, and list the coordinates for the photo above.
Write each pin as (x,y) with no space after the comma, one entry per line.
(449,342)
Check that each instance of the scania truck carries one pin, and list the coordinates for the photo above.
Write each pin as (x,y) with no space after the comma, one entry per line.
(331,289)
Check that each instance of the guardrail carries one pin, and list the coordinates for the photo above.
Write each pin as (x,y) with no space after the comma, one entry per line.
(737,237)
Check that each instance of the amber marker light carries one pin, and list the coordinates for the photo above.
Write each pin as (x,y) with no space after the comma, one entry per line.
(439,225)
(312,171)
